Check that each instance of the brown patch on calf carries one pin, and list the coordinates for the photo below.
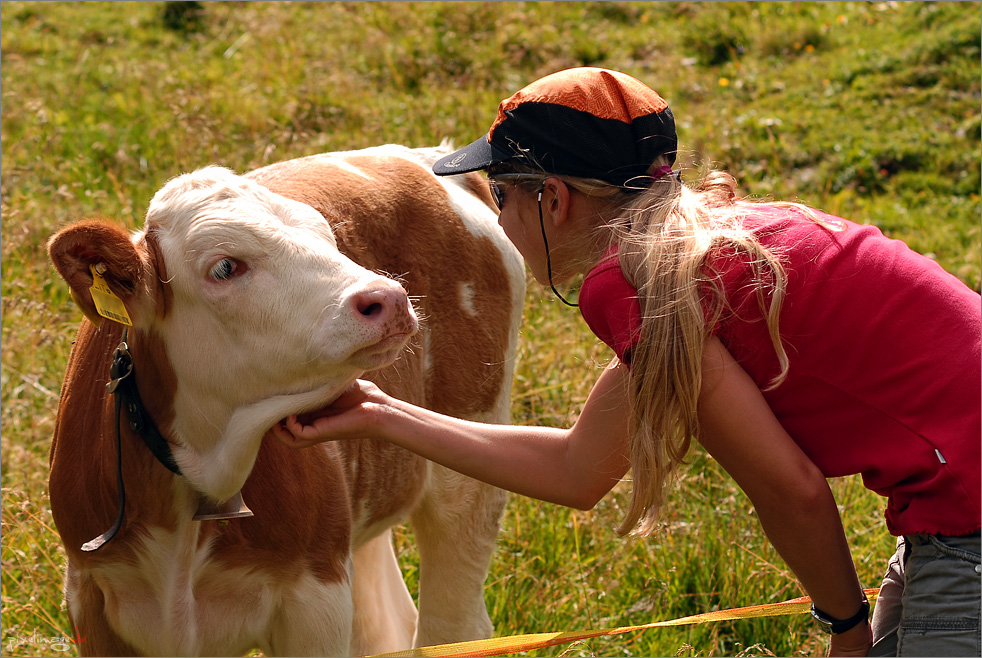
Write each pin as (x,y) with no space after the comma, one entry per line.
(83,453)
(83,450)
(302,517)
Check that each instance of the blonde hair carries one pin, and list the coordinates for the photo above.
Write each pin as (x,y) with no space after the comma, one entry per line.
(663,246)
(664,236)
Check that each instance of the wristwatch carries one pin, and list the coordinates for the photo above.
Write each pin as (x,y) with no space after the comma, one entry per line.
(835,626)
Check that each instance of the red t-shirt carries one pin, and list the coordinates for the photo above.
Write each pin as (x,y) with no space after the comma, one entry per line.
(884,350)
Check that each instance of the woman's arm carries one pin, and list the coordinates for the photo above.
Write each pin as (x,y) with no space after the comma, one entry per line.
(574,467)
(790,494)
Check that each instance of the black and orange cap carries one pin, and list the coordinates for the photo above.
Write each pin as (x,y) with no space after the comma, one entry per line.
(585,122)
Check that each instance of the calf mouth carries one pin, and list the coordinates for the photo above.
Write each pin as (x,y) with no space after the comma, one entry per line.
(393,340)
(385,352)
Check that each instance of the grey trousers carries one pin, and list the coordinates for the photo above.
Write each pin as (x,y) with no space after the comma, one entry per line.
(930,599)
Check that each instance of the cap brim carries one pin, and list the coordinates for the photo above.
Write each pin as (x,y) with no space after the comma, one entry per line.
(479,154)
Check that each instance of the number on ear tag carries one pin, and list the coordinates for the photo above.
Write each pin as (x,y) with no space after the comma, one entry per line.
(106,302)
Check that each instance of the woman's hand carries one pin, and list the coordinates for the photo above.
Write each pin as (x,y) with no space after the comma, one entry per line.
(854,642)
(351,416)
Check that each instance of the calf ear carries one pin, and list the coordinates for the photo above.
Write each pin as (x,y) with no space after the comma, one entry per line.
(109,248)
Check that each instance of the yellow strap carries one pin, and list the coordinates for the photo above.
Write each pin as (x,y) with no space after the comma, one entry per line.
(516,643)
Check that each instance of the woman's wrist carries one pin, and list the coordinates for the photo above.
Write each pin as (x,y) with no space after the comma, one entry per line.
(854,642)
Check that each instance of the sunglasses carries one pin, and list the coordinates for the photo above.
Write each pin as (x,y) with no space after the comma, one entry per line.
(498,194)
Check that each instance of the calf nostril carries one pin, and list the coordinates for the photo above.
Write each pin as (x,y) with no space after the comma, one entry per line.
(370,309)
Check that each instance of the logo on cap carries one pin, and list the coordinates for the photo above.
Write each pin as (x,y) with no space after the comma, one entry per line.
(456,161)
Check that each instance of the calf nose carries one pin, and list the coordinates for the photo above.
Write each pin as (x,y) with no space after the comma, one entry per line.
(380,306)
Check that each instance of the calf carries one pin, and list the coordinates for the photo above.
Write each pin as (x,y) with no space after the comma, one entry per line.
(252,298)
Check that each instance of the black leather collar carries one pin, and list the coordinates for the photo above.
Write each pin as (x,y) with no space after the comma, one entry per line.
(123,386)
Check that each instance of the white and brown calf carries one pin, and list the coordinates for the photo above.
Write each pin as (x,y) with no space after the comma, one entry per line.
(254,297)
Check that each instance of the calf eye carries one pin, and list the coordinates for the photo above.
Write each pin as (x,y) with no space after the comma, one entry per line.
(223,269)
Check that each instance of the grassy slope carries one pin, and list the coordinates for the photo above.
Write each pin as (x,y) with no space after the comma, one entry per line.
(866,110)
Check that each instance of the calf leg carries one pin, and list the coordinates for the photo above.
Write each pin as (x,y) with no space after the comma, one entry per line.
(385,615)
(87,613)
(313,620)
(456,526)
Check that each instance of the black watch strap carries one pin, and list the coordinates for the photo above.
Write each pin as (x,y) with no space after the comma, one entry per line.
(836,626)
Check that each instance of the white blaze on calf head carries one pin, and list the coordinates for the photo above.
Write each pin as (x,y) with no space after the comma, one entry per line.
(267,317)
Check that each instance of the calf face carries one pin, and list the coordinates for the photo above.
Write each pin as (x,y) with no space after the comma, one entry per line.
(247,263)
(261,315)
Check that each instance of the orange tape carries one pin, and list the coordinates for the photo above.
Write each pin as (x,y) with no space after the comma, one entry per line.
(498,646)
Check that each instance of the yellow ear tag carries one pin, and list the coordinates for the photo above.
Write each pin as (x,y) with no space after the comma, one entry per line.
(106,302)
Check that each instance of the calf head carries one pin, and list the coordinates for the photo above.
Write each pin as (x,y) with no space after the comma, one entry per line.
(253,312)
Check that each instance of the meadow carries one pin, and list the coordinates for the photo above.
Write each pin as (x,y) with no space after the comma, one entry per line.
(866,110)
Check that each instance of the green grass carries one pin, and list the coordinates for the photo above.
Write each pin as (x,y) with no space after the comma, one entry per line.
(867,110)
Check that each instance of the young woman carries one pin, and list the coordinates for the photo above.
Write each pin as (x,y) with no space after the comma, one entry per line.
(794,346)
